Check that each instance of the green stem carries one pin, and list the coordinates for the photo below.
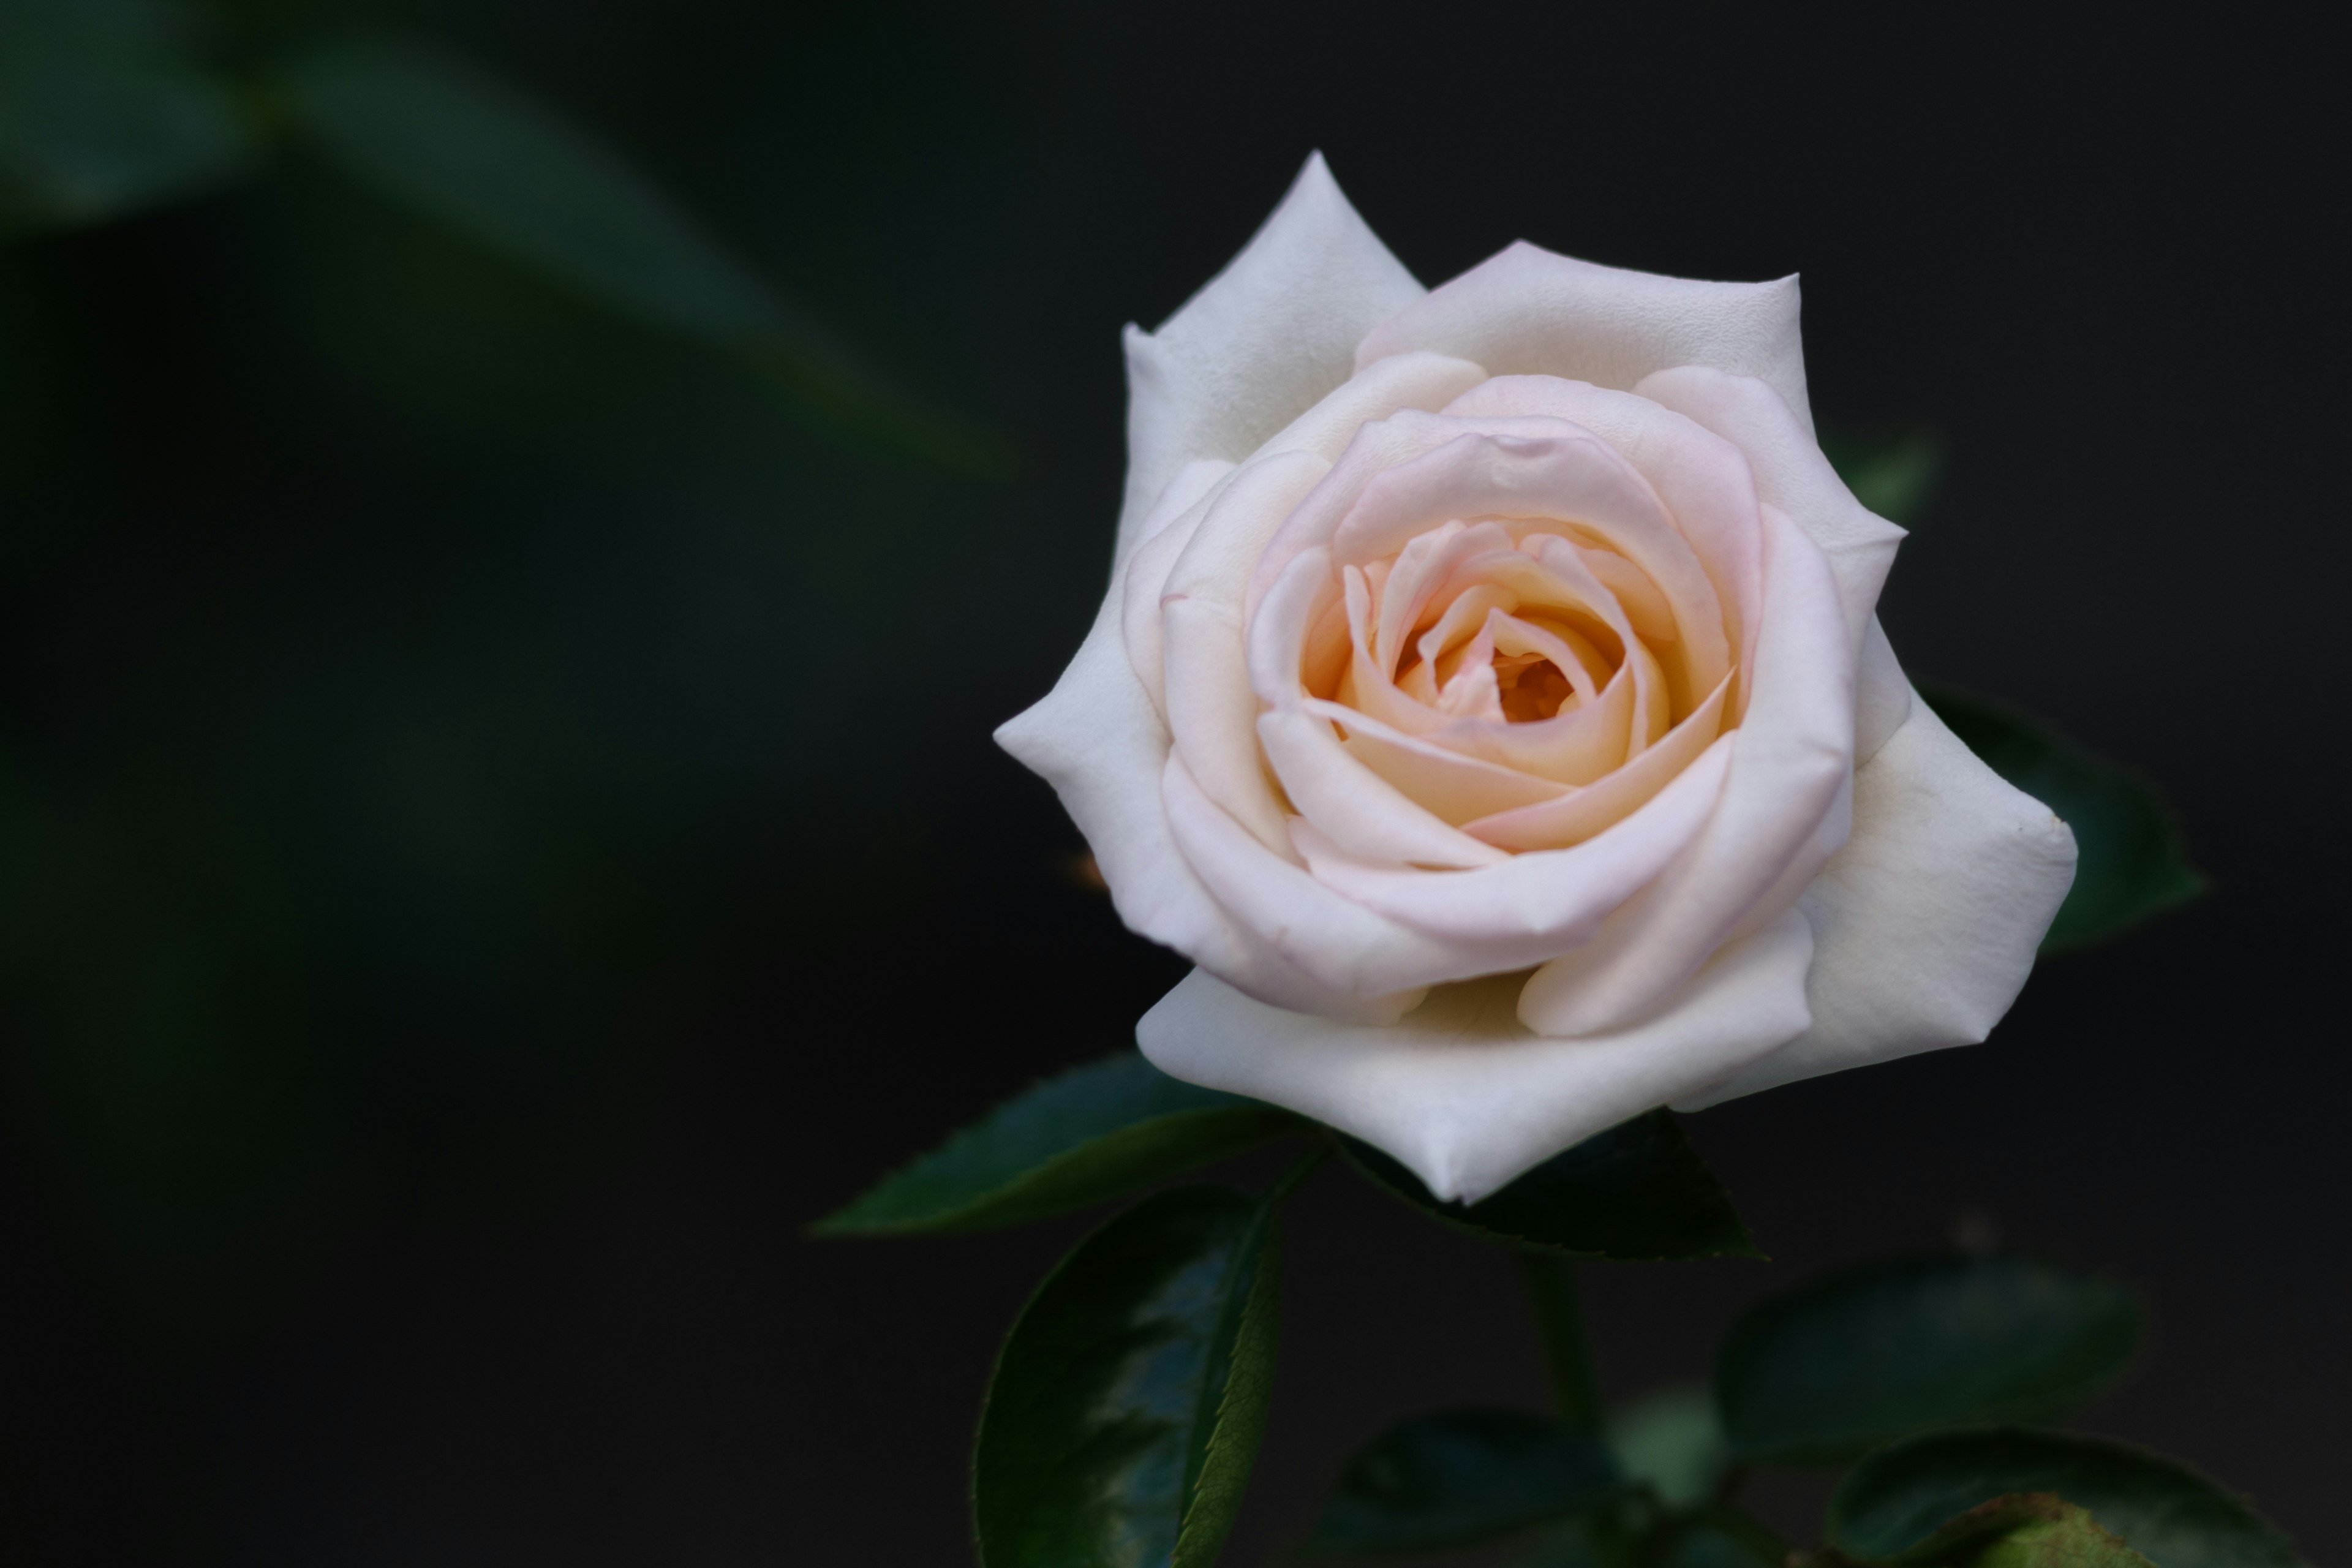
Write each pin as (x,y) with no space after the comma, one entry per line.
(1558,1310)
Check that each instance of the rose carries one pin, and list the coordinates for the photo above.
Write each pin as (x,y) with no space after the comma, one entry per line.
(1490,700)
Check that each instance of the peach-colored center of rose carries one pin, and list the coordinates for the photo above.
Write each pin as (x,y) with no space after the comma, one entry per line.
(1512,670)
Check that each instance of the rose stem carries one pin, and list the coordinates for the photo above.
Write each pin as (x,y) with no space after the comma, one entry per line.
(1558,1310)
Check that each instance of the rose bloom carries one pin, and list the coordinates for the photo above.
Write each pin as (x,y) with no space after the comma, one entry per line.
(1489,699)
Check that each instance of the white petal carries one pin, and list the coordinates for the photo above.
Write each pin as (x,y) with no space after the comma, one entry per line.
(1791,473)
(1882,694)
(1792,758)
(1528,312)
(1096,738)
(1459,1090)
(1357,809)
(1261,342)
(1167,530)
(1927,922)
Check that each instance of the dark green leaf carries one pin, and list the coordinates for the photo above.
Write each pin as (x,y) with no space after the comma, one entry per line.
(1893,474)
(2028,1530)
(1128,1404)
(1094,1133)
(101,115)
(1897,1499)
(1882,1350)
(465,148)
(1721,1538)
(1592,1541)
(1461,1476)
(1638,1191)
(2134,863)
(1672,1440)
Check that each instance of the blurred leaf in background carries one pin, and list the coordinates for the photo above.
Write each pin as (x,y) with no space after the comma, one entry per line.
(416,638)
(436,132)
(1892,472)
(105,110)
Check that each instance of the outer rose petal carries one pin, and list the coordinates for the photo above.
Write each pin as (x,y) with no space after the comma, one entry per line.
(1528,311)
(1096,738)
(1791,473)
(1459,1089)
(1260,343)
(1927,922)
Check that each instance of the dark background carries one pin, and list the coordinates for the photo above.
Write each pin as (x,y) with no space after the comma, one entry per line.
(497,827)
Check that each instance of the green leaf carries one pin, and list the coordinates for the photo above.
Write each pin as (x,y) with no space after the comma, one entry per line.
(1671,1440)
(457,144)
(1893,474)
(2029,1530)
(1637,1192)
(1721,1538)
(1128,1402)
(1461,1476)
(2134,862)
(1094,1133)
(1899,1498)
(102,115)
(1884,1349)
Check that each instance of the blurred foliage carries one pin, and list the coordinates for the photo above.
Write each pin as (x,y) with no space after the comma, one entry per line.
(104,111)
(1892,472)
(418,636)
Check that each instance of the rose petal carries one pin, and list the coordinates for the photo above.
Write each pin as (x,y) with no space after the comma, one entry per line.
(1791,473)
(1355,807)
(1165,533)
(1265,340)
(1529,312)
(1096,739)
(1927,920)
(1213,715)
(1459,1090)
(1882,694)
(1338,944)
(1379,390)
(1453,787)
(1581,813)
(1791,757)
(1703,480)
(1223,551)
(1519,911)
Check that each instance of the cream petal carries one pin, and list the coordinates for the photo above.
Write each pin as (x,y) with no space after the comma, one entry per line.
(1213,715)
(1384,388)
(1530,311)
(1453,787)
(1464,618)
(1882,694)
(1224,546)
(1791,473)
(1929,919)
(1276,635)
(1165,533)
(1567,474)
(1355,807)
(1096,739)
(1338,944)
(1521,911)
(1790,759)
(1702,479)
(1574,748)
(1377,447)
(1261,344)
(1581,813)
(1458,1090)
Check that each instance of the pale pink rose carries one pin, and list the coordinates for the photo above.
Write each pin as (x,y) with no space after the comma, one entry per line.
(1489,699)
